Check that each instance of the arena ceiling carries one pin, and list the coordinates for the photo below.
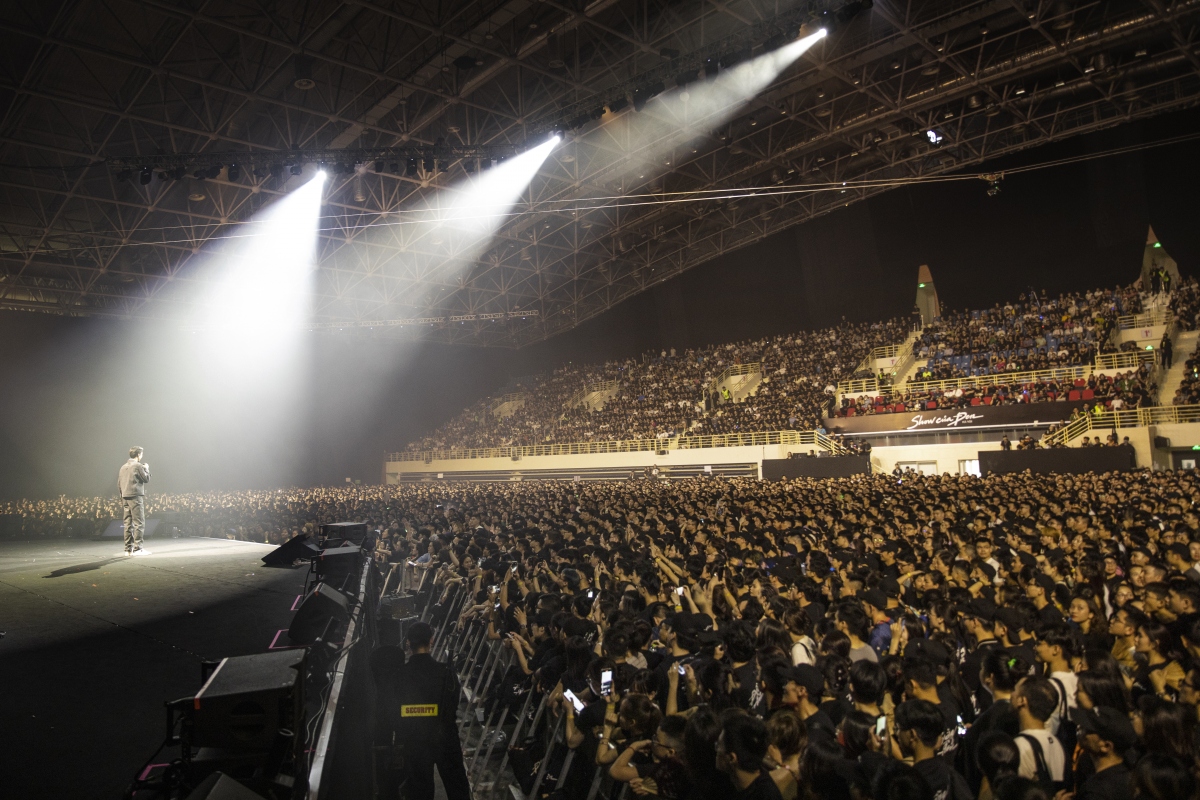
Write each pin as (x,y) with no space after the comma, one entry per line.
(899,90)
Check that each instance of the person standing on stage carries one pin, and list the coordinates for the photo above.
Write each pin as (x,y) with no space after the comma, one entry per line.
(132,480)
(427,692)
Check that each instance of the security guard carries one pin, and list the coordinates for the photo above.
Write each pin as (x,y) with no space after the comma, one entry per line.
(427,692)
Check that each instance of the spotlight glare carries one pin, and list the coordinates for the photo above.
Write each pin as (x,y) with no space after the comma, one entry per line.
(321,175)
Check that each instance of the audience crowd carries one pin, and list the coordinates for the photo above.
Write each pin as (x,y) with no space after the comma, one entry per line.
(1035,333)
(923,637)
(671,394)
(1130,389)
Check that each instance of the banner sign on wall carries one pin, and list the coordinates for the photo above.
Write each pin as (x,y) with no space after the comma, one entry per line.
(956,419)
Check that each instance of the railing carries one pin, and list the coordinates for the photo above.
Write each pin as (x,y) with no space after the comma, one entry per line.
(507,398)
(755,439)
(1148,320)
(1130,359)
(1125,418)
(578,398)
(732,372)
(998,378)
(858,386)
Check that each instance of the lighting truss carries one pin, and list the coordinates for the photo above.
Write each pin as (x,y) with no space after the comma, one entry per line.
(224,82)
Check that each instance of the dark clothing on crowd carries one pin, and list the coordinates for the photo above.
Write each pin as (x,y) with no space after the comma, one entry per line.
(1114,783)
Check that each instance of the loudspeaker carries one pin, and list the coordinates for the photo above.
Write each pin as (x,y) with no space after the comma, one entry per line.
(334,565)
(323,603)
(346,531)
(220,786)
(247,700)
(299,546)
(1162,442)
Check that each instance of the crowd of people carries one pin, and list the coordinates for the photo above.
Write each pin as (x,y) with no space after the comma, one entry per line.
(670,394)
(926,637)
(673,394)
(264,516)
(1034,333)
(1124,390)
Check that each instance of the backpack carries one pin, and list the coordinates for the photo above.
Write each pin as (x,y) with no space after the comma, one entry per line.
(1042,774)
(1068,732)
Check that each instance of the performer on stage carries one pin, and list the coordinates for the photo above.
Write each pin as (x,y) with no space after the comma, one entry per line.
(132,480)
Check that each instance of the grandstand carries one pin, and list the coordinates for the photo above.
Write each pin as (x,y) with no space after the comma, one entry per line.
(1020,369)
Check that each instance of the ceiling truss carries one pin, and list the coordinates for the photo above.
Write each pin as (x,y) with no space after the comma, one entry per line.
(86,85)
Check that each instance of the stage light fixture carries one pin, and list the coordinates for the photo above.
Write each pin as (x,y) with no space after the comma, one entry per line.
(145,175)
(643,94)
(469,166)
(711,68)
(735,58)
(297,169)
(428,164)
(686,77)
(378,167)
(617,105)
(394,167)
(410,167)
(235,172)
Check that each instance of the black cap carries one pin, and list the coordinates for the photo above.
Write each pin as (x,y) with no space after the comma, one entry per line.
(1108,724)
(810,678)
(1010,617)
(980,609)
(875,597)
(932,651)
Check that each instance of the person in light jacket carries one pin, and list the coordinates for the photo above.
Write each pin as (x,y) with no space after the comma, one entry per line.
(131,481)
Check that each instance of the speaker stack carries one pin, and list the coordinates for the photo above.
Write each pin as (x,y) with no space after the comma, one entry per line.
(299,547)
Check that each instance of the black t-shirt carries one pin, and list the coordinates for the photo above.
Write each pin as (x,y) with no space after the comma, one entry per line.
(1113,783)
(748,694)
(1050,613)
(999,716)
(820,723)
(946,783)
(763,788)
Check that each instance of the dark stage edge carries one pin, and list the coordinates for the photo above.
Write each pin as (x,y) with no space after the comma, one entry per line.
(96,642)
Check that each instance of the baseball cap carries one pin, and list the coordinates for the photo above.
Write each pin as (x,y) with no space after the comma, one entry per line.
(1108,724)
(932,651)
(1010,617)
(981,609)
(1046,582)
(875,597)
(809,677)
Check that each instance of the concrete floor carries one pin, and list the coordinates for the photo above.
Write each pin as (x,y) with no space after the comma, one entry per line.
(96,643)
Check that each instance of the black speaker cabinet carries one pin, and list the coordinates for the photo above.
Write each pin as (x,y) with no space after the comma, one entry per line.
(300,546)
(322,604)
(345,531)
(337,564)
(247,700)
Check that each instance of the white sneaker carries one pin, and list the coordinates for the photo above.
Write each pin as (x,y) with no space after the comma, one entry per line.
(140,552)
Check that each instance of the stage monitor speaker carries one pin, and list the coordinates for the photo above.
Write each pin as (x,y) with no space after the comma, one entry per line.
(247,700)
(346,531)
(323,604)
(220,786)
(336,564)
(299,546)
(1162,442)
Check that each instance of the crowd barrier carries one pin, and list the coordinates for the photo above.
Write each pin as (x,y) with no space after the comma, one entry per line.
(503,721)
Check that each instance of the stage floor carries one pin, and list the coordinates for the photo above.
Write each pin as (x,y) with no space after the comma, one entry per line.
(97,642)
